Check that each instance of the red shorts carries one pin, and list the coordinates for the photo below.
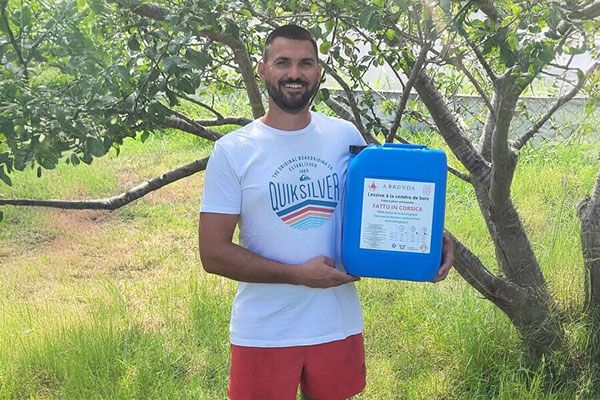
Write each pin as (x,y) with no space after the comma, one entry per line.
(328,371)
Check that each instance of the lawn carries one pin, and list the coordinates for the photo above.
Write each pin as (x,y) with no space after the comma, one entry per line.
(115,305)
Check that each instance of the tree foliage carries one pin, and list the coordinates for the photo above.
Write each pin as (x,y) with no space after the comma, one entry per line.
(78,77)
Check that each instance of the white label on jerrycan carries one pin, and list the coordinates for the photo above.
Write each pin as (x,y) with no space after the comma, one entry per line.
(397,215)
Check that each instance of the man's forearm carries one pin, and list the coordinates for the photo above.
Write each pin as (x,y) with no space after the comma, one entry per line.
(235,262)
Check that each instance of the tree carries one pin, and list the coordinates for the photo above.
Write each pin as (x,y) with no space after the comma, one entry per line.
(80,76)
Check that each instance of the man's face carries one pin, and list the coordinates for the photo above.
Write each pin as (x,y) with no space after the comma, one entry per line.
(291,73)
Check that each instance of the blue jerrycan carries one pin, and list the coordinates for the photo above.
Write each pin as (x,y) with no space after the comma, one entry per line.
(394,211)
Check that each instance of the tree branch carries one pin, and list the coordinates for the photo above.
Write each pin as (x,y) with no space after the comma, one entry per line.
(189,126)
(148,10)
(589,12)
(201,104)
(418,66)
(266,19)
(464,177)
(352,103)
(12,40)
(43,36)
(450,130)
(503,159)
(339,110)
(503,293)
(489,9)
(370,40)
(470,267)
(240,53)
(112,203)
(457,62)
(224,121)
(242,58)
(485,146)
(488,70)
(519,143)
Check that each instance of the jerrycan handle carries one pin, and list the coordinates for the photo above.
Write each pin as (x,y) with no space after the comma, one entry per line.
(405,146)
(355,149)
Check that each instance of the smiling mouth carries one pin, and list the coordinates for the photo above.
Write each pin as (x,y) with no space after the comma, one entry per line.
(293,86)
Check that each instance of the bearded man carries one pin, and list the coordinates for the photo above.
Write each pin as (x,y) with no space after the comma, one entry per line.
(296,319)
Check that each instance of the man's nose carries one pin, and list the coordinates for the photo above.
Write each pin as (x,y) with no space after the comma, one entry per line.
(294,72)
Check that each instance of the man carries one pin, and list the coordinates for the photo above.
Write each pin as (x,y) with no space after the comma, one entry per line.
(296,318)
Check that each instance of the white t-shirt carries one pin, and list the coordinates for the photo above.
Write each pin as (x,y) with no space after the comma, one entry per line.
(288,188)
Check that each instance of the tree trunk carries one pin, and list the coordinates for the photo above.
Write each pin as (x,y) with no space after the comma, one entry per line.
(521,291)
(589,215)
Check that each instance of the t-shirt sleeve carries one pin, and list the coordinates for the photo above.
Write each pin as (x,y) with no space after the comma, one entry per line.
(222,190)
(360,140)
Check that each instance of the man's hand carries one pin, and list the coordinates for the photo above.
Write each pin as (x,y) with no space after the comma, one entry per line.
(320,272)
(447,257)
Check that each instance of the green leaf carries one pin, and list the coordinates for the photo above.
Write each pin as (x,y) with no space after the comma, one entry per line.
(25,16)
(548,52)
(390,34)
(133,43)
(197,59)
(81,5)
(95,146)
(47,160)
(4,177)
(98,6)
(173,64)
(185,85)
(7,127)
(329,25)
(574,50)
(232,29)
(157,109)
(123,72)
(324,47)
(365,16)
(534,28)
(246,13)
(74,159)
(511,41)
(173,100)
(144,136)
(87,158)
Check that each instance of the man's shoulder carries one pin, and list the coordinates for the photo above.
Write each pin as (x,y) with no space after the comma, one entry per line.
(328,119)
(245,134)
(344,130)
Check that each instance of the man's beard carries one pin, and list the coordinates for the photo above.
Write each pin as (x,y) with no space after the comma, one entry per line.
(292,105)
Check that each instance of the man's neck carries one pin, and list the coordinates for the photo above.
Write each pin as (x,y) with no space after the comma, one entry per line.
(279,119)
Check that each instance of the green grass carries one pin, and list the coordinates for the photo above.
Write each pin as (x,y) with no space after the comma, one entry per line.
(115,305)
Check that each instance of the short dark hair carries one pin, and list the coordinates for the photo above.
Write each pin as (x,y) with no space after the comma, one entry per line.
(290,31)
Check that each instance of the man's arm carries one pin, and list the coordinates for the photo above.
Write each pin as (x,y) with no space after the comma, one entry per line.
(221,256)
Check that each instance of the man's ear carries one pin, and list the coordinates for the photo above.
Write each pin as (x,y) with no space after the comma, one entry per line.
(261,67)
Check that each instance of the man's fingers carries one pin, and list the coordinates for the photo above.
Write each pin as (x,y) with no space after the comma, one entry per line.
(329,261)
(447,257)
